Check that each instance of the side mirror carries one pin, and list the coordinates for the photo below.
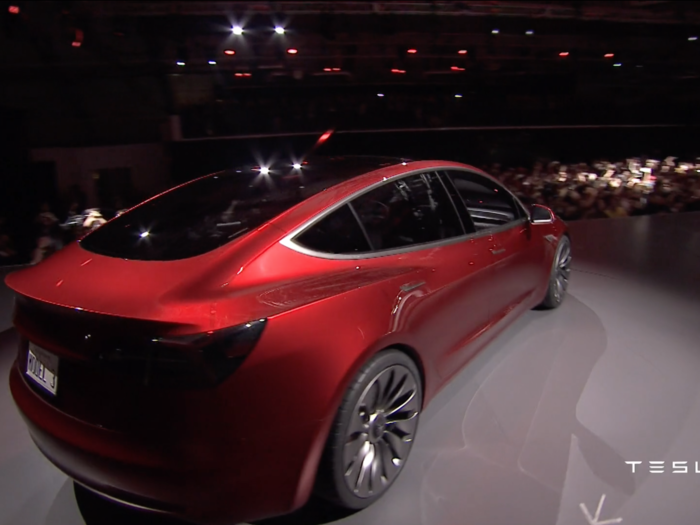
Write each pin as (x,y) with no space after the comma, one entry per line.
(540,215)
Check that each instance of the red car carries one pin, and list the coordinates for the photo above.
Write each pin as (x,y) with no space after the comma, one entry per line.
(233,345)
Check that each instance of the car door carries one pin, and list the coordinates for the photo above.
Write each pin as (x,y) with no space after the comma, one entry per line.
(442,301)
(515,254)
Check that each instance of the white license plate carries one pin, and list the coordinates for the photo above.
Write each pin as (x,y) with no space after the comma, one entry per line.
(42,368)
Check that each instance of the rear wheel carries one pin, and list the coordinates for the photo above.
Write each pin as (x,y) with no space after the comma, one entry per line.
(373,431)
(559,276)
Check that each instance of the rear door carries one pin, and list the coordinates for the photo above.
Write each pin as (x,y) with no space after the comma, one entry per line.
(412,223)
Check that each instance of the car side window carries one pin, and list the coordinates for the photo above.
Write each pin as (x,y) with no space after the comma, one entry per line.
(488,204)
(338,233)
(408,211)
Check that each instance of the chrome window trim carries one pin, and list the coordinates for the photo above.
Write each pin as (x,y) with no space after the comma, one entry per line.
(288,240)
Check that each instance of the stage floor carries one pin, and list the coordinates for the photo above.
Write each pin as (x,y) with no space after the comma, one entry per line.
(538,428)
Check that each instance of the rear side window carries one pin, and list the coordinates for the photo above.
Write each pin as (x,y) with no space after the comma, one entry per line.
(409,211)
(338,233)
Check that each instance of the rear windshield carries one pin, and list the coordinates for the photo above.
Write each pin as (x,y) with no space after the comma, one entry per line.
(205,214)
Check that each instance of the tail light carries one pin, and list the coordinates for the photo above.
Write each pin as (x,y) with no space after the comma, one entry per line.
(191,361)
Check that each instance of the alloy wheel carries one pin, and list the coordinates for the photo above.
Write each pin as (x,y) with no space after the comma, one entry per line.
(381,431)
(562,271)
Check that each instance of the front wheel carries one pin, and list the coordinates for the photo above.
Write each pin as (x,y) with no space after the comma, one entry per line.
(559,275)
(373,432)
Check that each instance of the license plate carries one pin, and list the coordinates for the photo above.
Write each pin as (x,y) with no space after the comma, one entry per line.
(42,368)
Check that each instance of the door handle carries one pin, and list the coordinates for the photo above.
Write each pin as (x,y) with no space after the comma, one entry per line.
(411,286)
(497,252)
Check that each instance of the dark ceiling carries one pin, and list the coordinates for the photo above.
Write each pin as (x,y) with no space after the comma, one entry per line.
(69,62)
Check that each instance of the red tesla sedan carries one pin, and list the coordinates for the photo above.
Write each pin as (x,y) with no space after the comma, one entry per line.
(228,347)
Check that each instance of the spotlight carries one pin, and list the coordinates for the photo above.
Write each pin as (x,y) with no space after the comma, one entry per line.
(180,63)
(609,55)
(327,69)
(411,51)
(296,166)
(495,32)
(380,94)
(398,71)
(13,9)
(692,38)
(279,30)
(237,30)
(619,64)
(292,51)
(462,52)
(144,235)
(564,54)
(264,171)
(458,95)
(456,68)
(529,32)
(212,62)
(78,39)
(229,52)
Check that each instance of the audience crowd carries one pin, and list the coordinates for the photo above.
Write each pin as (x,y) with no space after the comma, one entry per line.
(636,186)
(602,189)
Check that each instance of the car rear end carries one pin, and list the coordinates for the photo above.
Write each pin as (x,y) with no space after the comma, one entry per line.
(128,411)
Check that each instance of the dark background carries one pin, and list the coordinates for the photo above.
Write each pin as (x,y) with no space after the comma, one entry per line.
(77,76)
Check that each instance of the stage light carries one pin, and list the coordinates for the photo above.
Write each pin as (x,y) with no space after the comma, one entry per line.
(495,32)
(229,52)
(180,63)
(529,32)
(336,69)
(78,39)
(456,68)
(279,30)
(13,9)
(292,51)
(609,55)
(458,95)
(296,166)
(323,138)
(411,51)
(327,69)
(564,54)
(144,235)
(398,71)
(380,94)
(212,62)
(692,38)
(462,52)
(237,30)
(619,64)
(264,171)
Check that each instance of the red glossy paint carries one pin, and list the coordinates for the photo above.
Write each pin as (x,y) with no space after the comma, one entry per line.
(249,448)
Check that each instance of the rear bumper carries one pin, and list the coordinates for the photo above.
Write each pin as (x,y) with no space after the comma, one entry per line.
(204,475)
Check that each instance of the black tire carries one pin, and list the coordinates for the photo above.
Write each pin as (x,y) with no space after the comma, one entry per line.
(559,276)
(379,436)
